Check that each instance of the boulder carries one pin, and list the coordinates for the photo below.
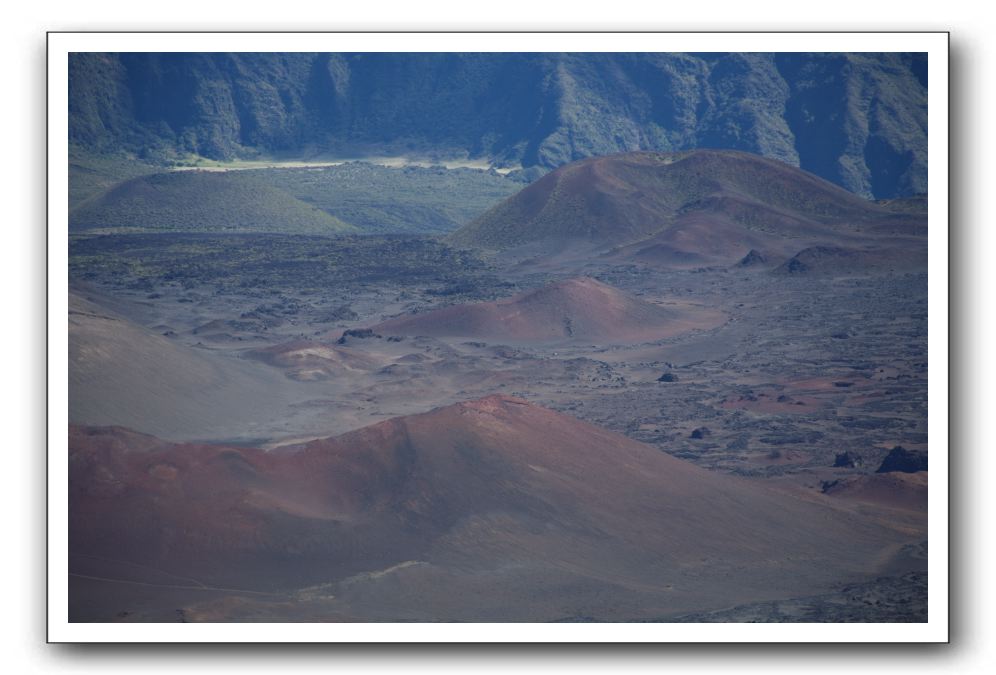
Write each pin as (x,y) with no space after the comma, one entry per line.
(906,461)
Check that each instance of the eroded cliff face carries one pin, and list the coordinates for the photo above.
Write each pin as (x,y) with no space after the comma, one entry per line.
(859,120)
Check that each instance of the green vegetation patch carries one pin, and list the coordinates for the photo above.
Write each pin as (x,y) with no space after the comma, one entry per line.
(112,194)
(203,201)
(388,199)
(90,174)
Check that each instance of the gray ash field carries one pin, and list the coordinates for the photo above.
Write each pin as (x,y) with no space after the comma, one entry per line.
(801,369)
(794,381)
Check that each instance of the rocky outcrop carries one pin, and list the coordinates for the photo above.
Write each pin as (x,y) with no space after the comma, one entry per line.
(846,460)
(858,120)
(752,259)
(906,461)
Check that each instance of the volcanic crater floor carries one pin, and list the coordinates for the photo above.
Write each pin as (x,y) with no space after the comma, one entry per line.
(786,374)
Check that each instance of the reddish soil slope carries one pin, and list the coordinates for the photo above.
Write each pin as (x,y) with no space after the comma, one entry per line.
(494,509)
(683,208)
(576,309)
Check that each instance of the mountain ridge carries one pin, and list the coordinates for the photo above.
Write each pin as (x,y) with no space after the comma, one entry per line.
(858,120)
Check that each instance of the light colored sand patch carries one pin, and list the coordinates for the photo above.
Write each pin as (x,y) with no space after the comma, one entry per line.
(394,162)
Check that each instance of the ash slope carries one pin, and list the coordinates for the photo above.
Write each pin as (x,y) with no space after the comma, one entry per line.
(703,205)
(122,374)
(493,509)
(572,310)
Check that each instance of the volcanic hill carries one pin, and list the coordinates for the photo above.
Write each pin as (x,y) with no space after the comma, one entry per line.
(494,509)
(702,205)
(576,309)
(203,201)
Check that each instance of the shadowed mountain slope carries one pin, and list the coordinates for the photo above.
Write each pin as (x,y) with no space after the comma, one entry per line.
(859,120)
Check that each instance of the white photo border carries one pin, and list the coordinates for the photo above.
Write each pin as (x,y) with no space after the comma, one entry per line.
(935,44)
